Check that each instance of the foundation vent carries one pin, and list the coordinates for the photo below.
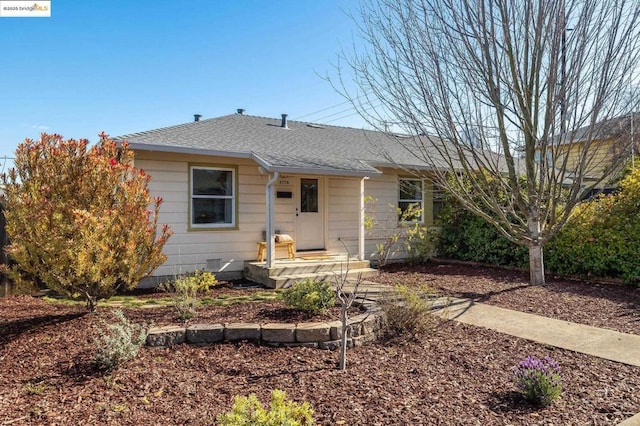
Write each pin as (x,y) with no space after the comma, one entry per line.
(214,264)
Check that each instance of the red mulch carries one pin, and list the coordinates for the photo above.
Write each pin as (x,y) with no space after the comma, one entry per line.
(612,306)
(458,375)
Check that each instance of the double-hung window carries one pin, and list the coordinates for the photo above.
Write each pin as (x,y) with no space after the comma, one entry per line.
(411,200)
(213,197)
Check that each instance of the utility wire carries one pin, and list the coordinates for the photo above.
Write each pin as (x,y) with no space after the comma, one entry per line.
(340,118)
(320,110)
(371,107)
(297,118)
(334,114)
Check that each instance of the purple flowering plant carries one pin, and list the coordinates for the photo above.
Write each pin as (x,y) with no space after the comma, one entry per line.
(538,380)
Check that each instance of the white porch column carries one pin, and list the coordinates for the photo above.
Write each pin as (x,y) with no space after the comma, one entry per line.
(270,237)
(361,229)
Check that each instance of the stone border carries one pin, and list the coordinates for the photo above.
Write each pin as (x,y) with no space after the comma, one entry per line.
(321,335)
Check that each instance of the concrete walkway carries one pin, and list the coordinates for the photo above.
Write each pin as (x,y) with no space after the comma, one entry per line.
(607,344)
(598,342)
(602,343)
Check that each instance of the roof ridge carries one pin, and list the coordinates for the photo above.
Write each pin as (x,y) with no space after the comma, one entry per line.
(191,123)
(174,126)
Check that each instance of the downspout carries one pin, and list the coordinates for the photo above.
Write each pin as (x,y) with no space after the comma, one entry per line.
(361,228)
(271,248)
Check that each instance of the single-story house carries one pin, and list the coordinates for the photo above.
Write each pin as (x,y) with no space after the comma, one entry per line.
(228,183)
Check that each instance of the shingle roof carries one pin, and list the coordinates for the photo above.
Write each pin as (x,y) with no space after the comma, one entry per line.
(302,147)
(606,129)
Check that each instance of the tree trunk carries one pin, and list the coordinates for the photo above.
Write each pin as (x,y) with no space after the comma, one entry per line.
(342,365)
(92,303)
(536,265)
(536,261)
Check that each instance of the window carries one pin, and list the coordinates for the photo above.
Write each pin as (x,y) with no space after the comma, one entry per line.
(309,195)
(411,197)
(213,197)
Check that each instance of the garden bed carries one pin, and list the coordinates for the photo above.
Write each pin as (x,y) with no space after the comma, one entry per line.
(459,374)
(611,306)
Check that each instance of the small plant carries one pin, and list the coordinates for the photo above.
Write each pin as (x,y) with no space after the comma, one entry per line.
(185,291)
(420,243)
(414,235)
(247,410)
(118,342)
(36,389)
(310,296)
(407,312)
(538,380)
(205,279)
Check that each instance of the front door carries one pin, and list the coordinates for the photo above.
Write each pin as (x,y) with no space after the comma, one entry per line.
(310,214)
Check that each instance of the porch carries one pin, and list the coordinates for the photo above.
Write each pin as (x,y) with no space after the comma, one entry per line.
(283,273)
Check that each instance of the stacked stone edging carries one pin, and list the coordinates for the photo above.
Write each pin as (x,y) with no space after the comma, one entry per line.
(322,335)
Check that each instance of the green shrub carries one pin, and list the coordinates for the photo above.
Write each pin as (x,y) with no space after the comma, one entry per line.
(185,292)
(118,342)
(538,380)
(466,236)
(602,237)
(420,243)
(310,296)
(247,410)
(407,312)
(205,279)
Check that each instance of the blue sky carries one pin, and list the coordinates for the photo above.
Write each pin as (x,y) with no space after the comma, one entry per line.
(127,66)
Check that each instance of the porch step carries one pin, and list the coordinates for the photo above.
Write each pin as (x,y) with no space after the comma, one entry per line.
(316,267)
(285,273)
(287,280)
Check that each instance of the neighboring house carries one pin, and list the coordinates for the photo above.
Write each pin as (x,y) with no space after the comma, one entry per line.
(215,177)
(611,144)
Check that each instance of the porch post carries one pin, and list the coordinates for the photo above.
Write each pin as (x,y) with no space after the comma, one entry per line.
(361,229)
(270,237)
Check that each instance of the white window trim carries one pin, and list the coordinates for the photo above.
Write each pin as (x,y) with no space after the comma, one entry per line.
(403,200)
(218,197)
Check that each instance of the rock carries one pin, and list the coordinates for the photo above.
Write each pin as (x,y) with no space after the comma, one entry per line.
(370,325)
(336,330)
(166,336)
(331,345)
(313,332)
(361,340)
(205,333)
(242,331)
(279,333)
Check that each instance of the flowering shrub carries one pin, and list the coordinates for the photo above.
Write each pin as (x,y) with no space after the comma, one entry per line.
(80,219)
(538,380)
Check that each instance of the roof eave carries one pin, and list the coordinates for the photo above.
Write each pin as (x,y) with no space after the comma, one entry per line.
(322,172)
(186,150)
(312,170)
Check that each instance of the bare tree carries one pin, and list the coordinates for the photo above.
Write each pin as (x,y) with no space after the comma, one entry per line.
(346,299)
(503,86)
